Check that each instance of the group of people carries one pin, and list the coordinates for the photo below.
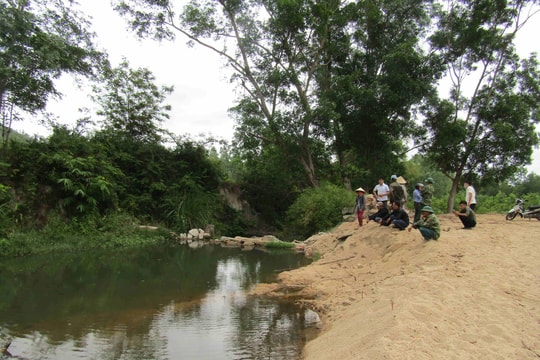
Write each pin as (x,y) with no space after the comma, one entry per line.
(425,219)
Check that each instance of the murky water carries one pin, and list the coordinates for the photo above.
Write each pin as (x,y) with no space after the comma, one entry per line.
(173,303)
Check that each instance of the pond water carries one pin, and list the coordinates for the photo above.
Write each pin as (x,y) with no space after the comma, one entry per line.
(158,303)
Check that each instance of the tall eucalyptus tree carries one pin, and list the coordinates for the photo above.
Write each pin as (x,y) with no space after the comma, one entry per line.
(486,126)
(377,78)
(315,74)
(274,49)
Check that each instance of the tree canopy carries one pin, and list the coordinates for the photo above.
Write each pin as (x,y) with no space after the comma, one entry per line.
(131,103)
(486,127)
(39,42)
(320,79)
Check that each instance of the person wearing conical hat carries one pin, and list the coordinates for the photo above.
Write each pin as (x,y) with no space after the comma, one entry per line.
(360,206)
(428,225)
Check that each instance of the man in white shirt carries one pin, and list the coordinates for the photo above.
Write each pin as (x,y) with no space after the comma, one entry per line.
(381,192)
(470,195)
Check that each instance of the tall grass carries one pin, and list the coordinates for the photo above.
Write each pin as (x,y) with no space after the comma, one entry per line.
(113,231)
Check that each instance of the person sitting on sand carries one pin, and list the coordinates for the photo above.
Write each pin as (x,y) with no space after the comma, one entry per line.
(382,213)
(398,217)
(429,225)
(466,215)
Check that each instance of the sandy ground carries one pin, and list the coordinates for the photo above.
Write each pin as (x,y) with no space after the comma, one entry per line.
(382,293)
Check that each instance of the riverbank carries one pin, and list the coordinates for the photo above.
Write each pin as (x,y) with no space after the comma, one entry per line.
(388,294)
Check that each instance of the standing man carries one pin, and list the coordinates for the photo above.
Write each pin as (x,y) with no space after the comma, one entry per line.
(470,195)
(466,215)
(417,199)
(360,206)
(427,192)
(396,191)
(401,181)
(381,192)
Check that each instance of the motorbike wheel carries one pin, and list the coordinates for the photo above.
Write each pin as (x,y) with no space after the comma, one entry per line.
(511,216)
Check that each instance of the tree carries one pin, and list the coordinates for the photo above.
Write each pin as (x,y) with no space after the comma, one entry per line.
(273,49)
(487,129)
(131,103)
(379,75)
(40,41)
(311,70)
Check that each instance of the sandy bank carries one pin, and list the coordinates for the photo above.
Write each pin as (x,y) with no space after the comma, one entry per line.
(387,294)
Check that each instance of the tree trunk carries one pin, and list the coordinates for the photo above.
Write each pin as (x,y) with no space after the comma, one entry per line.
(453,193)
(307,162)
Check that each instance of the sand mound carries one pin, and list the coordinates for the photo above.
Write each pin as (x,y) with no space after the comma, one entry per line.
(387,294)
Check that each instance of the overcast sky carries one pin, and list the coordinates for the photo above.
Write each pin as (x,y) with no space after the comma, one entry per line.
(202,92)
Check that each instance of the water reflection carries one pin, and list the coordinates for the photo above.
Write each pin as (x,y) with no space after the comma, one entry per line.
(175,303)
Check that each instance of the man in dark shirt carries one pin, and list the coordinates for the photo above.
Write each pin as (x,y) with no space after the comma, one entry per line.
(466,215)
(382,213)
(398,217)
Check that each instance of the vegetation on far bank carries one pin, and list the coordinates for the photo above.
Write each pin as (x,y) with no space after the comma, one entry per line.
(332,95)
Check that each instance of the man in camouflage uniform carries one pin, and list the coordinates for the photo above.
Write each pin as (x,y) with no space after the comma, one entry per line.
(429,225)
(397,195)
(427,192)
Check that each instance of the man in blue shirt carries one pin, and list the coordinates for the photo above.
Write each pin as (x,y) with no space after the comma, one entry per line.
(417,199)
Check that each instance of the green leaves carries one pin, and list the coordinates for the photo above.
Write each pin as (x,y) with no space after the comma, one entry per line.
(83,188)
(148,18)
(132,104)
(487,125)
(318,209)
(38,44)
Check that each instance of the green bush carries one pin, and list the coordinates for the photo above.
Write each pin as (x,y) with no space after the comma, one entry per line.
(500,203)
(113,231)
(317,210)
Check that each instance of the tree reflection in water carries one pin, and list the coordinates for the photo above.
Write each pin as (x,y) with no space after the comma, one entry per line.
(161,304)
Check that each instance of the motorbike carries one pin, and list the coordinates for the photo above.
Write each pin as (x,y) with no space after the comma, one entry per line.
(532,212)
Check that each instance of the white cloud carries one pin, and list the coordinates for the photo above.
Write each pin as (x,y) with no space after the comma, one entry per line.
(202,93)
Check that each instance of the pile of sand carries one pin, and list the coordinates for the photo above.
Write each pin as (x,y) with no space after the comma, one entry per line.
(388,294)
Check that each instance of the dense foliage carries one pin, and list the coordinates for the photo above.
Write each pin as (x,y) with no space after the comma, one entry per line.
(331,95)
(318,209)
